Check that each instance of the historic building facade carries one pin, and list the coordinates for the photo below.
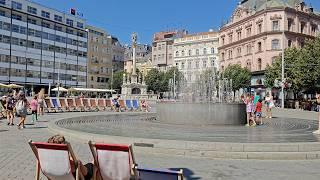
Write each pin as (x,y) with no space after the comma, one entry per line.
(195,53)
(143,55)
(258,31)
(41,46)
(99,58)
(162,48)
(117,55)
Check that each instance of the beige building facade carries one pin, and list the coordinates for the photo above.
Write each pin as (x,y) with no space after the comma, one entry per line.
(195,53)
(99,58)
(258,31)
(162,48)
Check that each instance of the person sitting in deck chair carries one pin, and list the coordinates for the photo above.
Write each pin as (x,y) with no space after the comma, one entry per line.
(86,170)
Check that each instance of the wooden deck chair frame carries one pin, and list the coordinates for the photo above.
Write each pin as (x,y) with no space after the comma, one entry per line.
(101,104)
(129,108)
(108,103)
(92,145)
(79,175)
(122,104)
(58,107)
(48,105)
(79,105)
(178,174)
(64,104)
(93,104)
(3,111)
(86,104)
(71,104)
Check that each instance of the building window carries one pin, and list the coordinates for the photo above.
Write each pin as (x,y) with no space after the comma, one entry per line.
(289,43)
(222,39)
(197,51)
(212,50)
(275,44)
(204,50)
(259,28)
(32,10)
(45,14)
(275,25)
(189,77)
(58,28)
(239,35)
(2,13)
(79,24)
(259,64)
(190,52)
(182,53)
(230,38)
(58,18)
(177,53)
(212,62)
(69,31)
(197,64)
(16,5)
(290,21)
(3,2)
(259,46)
(302,27)
(238,51)
(46,25)
(248,65)
(204,64)
(314,30)
(182,65)
(230,54)
(189,64)
(70,22)
(16,17)
(32,21)
(222,56)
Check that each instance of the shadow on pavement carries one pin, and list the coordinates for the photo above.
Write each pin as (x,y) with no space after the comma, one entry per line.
(187,173)
(37,127)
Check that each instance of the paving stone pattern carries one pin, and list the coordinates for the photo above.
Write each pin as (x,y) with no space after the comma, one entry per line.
(18,162)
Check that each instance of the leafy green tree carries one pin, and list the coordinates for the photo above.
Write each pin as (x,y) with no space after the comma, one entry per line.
(240,76)
(117,80)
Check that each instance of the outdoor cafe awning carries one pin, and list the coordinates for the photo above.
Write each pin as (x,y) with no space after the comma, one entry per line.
(90,90)
(61,89)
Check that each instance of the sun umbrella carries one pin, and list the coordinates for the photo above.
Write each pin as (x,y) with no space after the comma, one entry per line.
(61,89)
(14,86)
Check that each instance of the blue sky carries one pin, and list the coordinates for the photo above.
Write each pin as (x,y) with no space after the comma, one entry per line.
(122,17)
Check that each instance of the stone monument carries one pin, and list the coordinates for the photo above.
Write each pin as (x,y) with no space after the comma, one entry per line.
(133,85)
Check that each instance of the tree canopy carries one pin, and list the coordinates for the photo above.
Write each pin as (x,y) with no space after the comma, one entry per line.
(240,76)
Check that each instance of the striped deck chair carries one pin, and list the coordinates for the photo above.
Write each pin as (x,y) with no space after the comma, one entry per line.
(79,105)
(93,105)
(135,105)
(122,105)
(71,104)
(56,105)
(54,161)
(156,174)
(129,105)
(63,104)
(113,161)
(109,104)
(86,104)
(101,104)
(3,113)
(48,106)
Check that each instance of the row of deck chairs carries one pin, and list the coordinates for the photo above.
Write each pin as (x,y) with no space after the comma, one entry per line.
(111,162)
(88,104)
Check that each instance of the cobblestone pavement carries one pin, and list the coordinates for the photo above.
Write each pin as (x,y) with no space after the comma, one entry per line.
(18,162)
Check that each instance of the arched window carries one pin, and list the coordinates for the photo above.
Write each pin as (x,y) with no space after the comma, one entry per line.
(259,64)
(212,50)
(275,44)
(190,52)
(177,53)
(222,56)
(182,53)
(204,50)
(248,65)
(197,51)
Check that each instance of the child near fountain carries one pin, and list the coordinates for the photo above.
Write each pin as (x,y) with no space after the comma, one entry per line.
(259,112)
(250,110)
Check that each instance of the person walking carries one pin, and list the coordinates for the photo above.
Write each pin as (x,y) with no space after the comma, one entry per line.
(34,108)
(270,105)
(41,102)
(10,104)
(21,108)
(318,107)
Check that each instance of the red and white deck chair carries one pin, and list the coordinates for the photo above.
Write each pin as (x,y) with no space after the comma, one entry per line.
(54,161)
(113,161)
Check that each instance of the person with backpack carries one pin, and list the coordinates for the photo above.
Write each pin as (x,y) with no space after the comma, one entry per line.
(21,108)
(10,104)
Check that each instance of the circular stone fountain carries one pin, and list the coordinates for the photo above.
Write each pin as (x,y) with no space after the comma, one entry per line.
(201,113)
